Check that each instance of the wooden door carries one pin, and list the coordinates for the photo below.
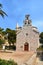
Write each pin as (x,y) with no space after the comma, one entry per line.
(26,47)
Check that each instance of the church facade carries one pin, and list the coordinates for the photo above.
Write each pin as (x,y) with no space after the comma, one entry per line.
(27,36)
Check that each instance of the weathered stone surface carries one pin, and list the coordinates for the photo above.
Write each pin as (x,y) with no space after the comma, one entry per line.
(28,34)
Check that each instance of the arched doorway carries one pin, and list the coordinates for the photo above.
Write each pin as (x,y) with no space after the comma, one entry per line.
(26,46)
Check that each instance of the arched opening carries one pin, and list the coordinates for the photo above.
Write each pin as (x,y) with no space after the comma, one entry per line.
(26,47)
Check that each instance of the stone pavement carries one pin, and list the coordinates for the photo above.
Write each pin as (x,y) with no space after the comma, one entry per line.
(22,58)
(33,61)
(19,57)
(38,62)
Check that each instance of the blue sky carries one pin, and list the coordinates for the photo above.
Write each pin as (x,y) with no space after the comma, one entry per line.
(17,9)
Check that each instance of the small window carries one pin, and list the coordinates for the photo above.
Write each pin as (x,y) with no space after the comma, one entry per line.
(21,46)
(26,34)
(25,23)
(28,22)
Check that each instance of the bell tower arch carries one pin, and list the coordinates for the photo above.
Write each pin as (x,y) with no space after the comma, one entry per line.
(27,21)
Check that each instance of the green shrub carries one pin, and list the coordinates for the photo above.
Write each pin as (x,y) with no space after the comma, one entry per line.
(0,47)
(2,41)
(10,47)
(40,48)
(9,62)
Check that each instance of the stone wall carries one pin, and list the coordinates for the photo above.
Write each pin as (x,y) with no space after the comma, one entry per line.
(26,34)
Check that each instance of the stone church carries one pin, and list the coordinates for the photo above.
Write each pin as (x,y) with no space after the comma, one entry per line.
(27,36)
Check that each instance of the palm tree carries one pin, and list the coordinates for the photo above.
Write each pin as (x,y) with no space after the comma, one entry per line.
(2,13)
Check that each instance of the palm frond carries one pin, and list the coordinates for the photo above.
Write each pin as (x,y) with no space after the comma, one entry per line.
(1,5)
(2,13)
